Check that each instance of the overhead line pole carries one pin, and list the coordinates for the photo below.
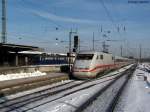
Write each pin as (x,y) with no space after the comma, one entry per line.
(121,50)
(140,55)
(93,42)
(4,40)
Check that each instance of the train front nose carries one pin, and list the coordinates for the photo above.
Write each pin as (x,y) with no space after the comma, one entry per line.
(81,70)
(84,75)
(82,65)
(81,75)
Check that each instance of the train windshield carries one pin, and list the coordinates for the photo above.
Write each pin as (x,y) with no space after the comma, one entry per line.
(85,56)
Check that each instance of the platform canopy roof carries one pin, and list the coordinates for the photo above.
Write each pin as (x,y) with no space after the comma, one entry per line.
(17,48)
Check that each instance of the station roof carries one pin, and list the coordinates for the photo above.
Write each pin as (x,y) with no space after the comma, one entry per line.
(40,52)
(17,48)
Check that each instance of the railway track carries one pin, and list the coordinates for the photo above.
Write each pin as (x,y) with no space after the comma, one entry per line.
(19,85)
(26,102)
(37,96)
(106,99)
(113,103)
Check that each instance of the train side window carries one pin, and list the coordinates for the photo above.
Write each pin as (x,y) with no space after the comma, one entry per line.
(101,56)
(97,58)
(112,58)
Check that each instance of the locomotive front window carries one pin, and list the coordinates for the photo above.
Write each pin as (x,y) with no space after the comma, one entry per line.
(85,56)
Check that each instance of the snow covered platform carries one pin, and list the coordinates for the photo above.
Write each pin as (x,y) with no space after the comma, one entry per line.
(32,68)
(20,75)
(136,95)
(12,80)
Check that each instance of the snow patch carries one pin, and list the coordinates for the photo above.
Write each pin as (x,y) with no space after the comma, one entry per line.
(135,97)
(20,75)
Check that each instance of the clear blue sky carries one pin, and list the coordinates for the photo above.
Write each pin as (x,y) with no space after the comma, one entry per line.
(34,22)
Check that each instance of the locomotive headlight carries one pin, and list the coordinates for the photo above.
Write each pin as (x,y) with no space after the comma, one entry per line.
(87,67)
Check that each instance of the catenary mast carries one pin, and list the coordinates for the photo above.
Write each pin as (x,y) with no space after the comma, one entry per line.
(3,36)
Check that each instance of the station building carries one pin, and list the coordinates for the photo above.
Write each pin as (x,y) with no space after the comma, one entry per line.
(10,56)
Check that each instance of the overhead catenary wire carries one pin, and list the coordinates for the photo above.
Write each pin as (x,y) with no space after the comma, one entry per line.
(107,11)
(51,21)
(121,26)
(22,37)
(109,15)
(117,27)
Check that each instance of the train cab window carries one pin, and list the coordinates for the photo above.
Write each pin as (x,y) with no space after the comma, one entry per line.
(97,58)
(85,56)
(101,57)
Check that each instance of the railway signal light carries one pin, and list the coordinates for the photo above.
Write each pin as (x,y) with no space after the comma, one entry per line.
(74,50)
(68,54)
(76,41)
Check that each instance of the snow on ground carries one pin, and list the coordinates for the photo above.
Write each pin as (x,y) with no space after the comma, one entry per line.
(20,75)
(144,69)
(63,102)
(68,103)
(136,95)
(20,94)
(103,101)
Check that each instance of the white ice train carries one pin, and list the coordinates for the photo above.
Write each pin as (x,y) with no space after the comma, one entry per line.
(89,64)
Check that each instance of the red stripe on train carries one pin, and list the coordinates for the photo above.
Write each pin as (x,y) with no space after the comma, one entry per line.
(97,67)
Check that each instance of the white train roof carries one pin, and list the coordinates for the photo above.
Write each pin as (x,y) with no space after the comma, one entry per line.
(92,52)
(119,57)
